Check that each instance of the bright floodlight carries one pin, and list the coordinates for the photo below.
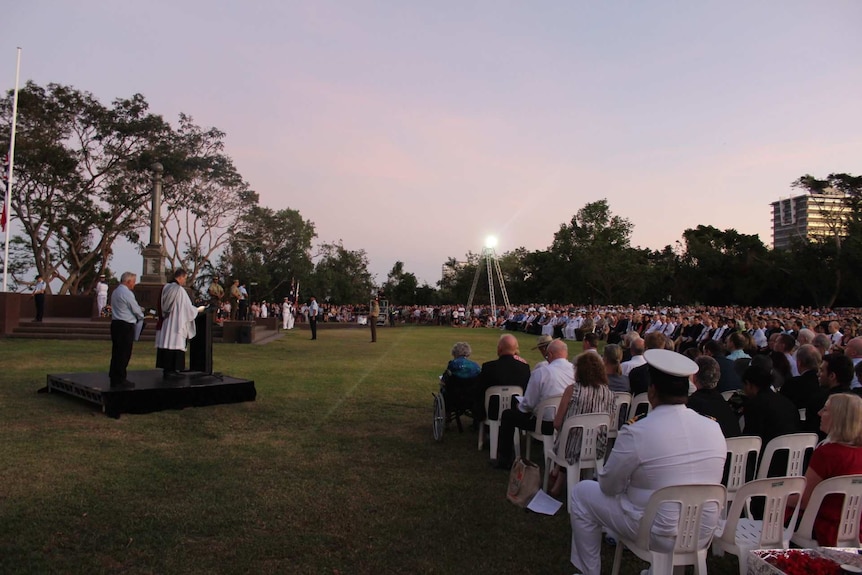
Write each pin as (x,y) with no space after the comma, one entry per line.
(491,242)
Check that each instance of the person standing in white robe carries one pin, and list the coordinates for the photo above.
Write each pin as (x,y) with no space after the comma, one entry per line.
(287,314)
(176,326)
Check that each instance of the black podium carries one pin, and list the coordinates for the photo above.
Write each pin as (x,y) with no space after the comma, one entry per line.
(201,345)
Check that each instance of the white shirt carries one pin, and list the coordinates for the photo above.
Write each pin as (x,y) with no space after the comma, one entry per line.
(635,361)
(547,381)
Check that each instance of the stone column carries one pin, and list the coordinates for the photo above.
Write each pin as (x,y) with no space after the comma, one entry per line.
(153,276)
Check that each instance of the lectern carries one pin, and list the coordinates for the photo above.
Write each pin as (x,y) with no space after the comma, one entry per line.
(201,345)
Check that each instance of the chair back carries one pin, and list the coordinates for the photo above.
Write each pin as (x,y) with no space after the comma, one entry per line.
(688,549)
(640,404)
(591,425)
(622,404)
(772,535)
(691,500)
(796,444)
(739,452)
(850,486)
(505,394)
(546,409)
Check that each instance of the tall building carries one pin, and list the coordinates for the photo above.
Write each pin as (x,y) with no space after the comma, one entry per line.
(809,216)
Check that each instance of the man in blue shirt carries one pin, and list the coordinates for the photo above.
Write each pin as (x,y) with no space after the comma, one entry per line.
(125,313)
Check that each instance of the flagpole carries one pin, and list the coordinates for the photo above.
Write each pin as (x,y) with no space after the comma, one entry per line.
(7,193)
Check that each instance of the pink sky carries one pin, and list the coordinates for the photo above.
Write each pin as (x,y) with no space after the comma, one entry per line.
(413,130)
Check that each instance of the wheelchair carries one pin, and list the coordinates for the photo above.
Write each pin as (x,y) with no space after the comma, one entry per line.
(451,403)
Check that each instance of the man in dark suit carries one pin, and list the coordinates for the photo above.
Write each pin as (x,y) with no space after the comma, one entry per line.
(729,380)
(709,402)
(834,375)
(507,369)
(767,413)
(801,388)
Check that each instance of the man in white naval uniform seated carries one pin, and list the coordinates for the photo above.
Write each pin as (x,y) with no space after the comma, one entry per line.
(673,445)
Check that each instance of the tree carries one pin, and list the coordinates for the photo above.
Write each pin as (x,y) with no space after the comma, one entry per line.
(81,178)
(271,248)
(593,254)
(341,276)
(400,286)
(725,267)
(205,197)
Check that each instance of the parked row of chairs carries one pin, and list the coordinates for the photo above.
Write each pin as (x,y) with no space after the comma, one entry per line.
(738,531)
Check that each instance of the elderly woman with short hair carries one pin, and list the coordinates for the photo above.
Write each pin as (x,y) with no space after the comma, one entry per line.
(460,376)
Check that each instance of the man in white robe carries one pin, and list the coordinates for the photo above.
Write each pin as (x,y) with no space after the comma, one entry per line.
(287,314)
(177,325)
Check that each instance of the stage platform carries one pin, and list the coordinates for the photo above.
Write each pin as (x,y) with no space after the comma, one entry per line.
(151,392)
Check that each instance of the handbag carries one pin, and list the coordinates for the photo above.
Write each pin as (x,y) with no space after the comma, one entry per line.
(524,481)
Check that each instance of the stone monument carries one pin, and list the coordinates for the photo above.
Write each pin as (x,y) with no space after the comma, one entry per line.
(152,279)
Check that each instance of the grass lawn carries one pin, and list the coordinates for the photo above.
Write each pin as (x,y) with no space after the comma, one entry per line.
(332,470)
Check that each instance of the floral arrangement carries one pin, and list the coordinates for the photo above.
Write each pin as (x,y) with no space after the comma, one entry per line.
(798,562)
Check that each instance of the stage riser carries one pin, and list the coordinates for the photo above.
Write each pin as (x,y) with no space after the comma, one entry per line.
(151,392)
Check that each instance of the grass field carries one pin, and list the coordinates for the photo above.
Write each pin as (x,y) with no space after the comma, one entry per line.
(333,470)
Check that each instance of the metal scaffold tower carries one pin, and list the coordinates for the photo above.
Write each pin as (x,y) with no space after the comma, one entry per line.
(492,264)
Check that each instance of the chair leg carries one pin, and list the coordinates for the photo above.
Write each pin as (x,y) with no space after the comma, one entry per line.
(494,432)
(573,475)
(661,564)
(618,555)
(700,565)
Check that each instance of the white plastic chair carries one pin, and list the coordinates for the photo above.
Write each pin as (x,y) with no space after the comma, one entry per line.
(592,425)
(622,405)
(545,409)
(848,529)
(796,444)
(739,535)
(688,548)
(739,450)
(505,393)
(637,402)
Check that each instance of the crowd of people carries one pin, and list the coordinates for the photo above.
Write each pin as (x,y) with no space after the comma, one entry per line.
(787,373)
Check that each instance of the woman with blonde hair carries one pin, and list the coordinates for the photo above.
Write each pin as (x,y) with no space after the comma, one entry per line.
(589,394)
(612,359)
(839,454)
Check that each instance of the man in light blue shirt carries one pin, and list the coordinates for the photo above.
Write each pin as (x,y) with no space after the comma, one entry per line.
(125,313)
(313,310)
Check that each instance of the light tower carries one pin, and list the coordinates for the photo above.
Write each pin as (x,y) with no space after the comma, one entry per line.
(489,256)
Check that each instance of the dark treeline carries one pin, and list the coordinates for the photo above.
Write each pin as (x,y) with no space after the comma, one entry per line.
(83,175)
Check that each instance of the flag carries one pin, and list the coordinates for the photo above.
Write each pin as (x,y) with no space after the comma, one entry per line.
(4,177)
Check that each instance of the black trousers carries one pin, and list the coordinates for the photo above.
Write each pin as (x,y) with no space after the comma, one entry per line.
(312,323)
(509,420)
(39,300)
(122,339)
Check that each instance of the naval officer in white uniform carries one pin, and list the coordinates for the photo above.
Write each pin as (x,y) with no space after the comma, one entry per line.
(673,445)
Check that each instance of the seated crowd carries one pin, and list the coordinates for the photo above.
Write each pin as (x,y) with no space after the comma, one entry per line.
(705,381)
